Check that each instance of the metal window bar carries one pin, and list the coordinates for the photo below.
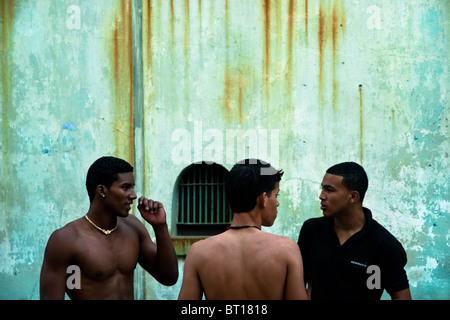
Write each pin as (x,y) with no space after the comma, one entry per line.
(202,196)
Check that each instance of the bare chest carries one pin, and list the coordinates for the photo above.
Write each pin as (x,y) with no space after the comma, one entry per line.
(103,256)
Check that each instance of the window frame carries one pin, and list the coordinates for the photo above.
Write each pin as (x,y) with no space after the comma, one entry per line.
(205,224)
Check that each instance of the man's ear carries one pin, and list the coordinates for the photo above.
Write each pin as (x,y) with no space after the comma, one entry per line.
(354,197)
(101,190)
(262,200)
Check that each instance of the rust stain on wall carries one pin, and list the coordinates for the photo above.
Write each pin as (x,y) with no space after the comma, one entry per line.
(172,22)
(331,25)
(122,61)
(6,25)
(266,53)
(321,42)
(237,82)
(238,79)
(306,21)
(200,12)
(227,82)
(227,89)
(338,25)
(7,21)
(149,22)
(200,29)
(290,55)
(186,28)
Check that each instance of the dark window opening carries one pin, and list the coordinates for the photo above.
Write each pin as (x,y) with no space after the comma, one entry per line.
(202,207)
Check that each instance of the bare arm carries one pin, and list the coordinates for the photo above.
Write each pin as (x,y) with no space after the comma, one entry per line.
(401,295)
(191,288)
(54,267)
(295,286)
(158,259)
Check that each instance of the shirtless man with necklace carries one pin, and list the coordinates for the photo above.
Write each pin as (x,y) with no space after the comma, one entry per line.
(107,243)
(244,262)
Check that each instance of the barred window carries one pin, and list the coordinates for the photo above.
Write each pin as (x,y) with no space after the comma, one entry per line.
(202,207)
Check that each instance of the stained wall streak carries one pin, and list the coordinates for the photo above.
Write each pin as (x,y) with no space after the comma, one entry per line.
(172,21)
(122,61)
(306,21)
(338,26)
(331,26)
(227,80)
(7,21)
(266,54)
(200,18)
(291,19)
(149,35)
(321,43)
(187,29)
(148,73)
(6,106)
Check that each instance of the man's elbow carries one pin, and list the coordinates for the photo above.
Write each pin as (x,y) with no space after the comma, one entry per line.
(169,279)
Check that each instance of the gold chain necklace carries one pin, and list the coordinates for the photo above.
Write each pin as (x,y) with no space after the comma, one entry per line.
(104,231)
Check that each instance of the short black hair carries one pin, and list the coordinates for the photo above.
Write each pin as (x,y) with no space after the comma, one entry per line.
(105,171)
(247,180)
(354,177)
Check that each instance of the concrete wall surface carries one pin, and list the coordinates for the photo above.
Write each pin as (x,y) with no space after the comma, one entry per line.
(163,84)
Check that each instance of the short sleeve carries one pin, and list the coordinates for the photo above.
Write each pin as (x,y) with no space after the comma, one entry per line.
(393,274)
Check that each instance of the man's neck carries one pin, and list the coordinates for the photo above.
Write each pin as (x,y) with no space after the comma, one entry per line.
(246,219)
(101,218)
(348,223)
(351,220)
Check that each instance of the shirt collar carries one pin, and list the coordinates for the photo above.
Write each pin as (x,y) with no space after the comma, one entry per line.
(367,223)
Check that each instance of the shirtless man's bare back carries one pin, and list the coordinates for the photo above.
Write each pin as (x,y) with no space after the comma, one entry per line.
(245,262)
(107,243)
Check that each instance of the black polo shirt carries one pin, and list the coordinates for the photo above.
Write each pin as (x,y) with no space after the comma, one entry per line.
(340,272)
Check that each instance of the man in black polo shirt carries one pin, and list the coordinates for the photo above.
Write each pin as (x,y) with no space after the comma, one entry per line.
(346,253)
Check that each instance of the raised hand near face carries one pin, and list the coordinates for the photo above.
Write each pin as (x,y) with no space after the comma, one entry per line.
(152,211)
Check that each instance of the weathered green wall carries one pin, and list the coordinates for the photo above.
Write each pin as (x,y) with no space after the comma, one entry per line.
(164,83)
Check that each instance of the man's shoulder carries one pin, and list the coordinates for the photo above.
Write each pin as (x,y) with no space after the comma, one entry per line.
(204,247)
(63,240)
(210,242)
(68,231)
(382,235)
(131,224)
(287,245)
(311,229)
(132,220)
(279,240)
